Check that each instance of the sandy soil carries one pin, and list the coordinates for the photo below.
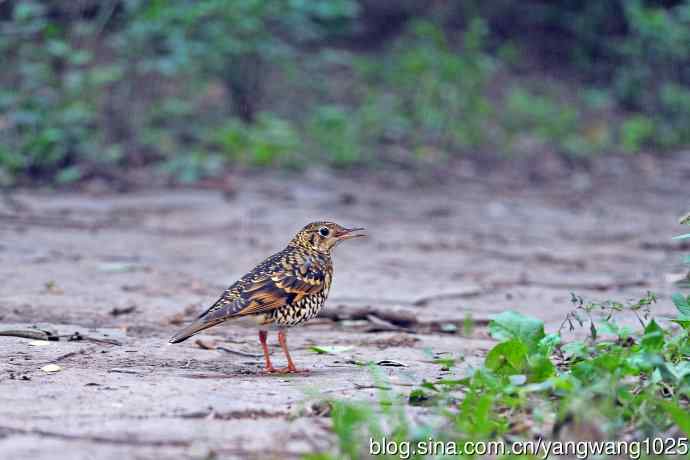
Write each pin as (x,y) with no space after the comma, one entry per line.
(130,267)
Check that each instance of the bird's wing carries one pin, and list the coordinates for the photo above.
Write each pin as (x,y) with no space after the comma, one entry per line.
(280,289)
(268,291)
(278,281)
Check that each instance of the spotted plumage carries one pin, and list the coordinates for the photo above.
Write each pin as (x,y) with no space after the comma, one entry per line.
(285,290)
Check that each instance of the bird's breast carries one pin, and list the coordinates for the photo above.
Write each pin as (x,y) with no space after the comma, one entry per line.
(299,311)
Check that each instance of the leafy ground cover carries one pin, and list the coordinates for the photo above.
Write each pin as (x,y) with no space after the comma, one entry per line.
(619,382)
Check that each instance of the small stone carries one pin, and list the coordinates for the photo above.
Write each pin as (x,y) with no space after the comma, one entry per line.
(50,368)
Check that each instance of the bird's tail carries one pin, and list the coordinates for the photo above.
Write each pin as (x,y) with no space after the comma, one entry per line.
(193,329)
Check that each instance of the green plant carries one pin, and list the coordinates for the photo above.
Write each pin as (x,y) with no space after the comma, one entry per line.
(193,166)
(643,62)
(554,124)
(531,384)
(92,84)
(48,104)
(653,78)
(336,134)
(269,140)
(95,88)
(432,89)
(681,301)
(636,132)
(238,43)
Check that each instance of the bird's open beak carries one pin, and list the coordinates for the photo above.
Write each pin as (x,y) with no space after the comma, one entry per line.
(348,233)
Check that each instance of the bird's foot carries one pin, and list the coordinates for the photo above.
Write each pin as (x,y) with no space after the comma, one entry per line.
(292,370)
(285,370)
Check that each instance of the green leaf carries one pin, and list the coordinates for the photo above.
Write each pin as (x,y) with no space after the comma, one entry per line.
(608,327)
(575,349)
(27,10)
(68,175)
(683,322)
(445,362)
(428,385)
(680,416)
(319,456)
(418,397)
(347,417)
(454,382)
(518,379)
(540,368)
(682,303)
(332,350)
(476,415)
(548,343)
(653,338)
(644,361)
(512,325)
(507,358)
(58,48)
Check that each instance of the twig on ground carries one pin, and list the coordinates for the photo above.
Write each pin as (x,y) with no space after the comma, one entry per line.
(35,335)
(83,351)
(594,286)
(76,337)
(239,353)
(470,292)
(211,346)
(378,324)
(46,335)
(398,318)
(132,441)
(123,311)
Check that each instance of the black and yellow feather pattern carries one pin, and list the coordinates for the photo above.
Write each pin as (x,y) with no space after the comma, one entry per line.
(284,290)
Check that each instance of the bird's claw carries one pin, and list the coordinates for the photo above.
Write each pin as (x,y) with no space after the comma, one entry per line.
(293,370)
(285,370)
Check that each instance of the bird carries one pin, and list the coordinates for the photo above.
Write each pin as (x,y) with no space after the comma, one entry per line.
(285,290)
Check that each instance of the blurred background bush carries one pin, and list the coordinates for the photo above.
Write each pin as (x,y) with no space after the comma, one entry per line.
(92,88)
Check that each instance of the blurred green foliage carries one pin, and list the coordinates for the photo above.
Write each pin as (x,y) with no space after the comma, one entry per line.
(93,87)
(436,93)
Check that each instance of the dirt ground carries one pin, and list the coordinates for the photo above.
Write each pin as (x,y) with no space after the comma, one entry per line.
(130,267)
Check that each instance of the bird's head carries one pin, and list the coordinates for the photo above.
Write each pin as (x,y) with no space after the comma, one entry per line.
(324,236)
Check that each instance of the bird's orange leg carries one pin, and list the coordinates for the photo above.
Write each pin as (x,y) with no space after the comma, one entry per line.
(262,338)
(282,339)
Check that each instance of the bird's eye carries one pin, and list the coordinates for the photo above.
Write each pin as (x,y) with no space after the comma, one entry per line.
(324,231)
